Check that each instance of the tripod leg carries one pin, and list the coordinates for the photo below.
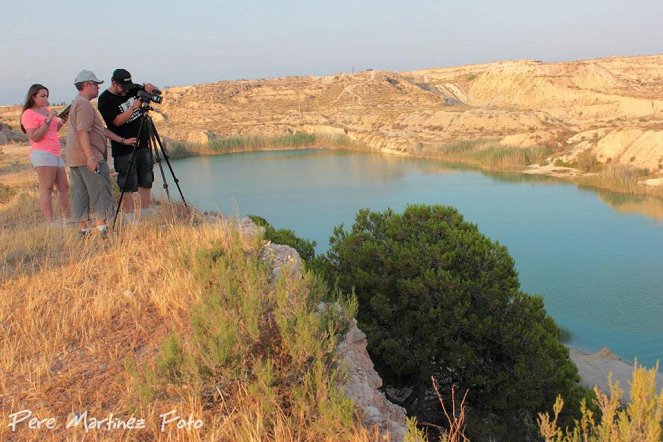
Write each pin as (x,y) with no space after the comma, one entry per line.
(158,143)
(131,163)
(155,153)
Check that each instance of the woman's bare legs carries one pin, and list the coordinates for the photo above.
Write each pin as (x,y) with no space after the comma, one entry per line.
(62,186)
(46,175)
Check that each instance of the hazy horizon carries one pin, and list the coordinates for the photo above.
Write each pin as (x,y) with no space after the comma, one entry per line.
(168,44)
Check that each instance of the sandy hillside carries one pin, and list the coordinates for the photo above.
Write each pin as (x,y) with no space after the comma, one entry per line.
(612,108)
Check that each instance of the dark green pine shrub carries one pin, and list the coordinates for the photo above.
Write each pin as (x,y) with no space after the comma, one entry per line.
(438,298)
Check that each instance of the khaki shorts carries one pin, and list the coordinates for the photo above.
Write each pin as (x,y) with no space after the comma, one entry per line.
(91,193)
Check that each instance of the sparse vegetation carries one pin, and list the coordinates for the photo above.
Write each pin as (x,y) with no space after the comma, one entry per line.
(640,420)
(562,163)
(253,143)
(623,179)
(267,342)
(5,193)
(182,318)
(587,162)
(489,155)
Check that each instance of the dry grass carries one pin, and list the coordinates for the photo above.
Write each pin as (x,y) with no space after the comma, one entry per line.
(623,179)
(72,311)
(130,326)
(488,154)
(641,420)
(254,143)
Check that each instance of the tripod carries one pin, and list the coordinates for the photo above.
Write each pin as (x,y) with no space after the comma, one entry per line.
(152,142)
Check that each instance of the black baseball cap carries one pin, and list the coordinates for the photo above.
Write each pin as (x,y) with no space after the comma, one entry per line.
(123,78)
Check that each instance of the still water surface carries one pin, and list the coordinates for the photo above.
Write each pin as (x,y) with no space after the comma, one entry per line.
(595,257)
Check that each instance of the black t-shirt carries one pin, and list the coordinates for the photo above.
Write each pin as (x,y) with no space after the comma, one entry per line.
(110,106)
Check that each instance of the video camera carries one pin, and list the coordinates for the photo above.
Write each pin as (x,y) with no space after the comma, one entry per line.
(146,97)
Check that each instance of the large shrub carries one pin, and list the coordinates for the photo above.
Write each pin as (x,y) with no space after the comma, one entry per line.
(438,298)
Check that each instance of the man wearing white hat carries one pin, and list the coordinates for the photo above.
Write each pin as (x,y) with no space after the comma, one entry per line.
(86,154)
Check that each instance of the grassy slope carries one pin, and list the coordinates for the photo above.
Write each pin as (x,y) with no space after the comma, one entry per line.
(139,325)
(177,313)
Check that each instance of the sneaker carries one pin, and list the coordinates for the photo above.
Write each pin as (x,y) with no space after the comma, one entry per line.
(130,218)
(103,231)
(56,224)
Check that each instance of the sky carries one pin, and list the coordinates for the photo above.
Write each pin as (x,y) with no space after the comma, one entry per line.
(169,43)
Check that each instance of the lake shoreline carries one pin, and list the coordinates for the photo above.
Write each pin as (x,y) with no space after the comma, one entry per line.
(290,190)
(595,369)
(651,187)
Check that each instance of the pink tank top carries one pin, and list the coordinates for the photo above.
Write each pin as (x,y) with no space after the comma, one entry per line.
(50,142)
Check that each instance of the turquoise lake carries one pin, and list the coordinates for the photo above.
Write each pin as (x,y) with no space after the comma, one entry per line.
(595,257)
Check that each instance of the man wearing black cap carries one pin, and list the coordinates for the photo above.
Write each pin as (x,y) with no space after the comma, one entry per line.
(121,109)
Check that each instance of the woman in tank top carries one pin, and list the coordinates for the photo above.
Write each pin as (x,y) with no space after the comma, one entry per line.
(42,125)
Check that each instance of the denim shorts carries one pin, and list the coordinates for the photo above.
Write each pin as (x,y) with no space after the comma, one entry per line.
(40,158)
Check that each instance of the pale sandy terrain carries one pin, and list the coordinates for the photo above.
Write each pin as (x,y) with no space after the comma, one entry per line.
(594,369)
(610,107)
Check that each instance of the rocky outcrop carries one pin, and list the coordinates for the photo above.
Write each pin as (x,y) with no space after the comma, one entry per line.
(7,135)
(200,137)
(361,381)
(282,259)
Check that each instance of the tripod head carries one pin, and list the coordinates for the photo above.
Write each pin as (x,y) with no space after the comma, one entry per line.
(145,107)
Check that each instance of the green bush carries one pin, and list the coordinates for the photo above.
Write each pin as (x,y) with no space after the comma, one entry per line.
(437,298)
(304,247)
(587,161)
(564,335)
(561,163)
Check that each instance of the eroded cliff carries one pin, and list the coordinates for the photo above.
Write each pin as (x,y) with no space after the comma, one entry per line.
(612,107)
